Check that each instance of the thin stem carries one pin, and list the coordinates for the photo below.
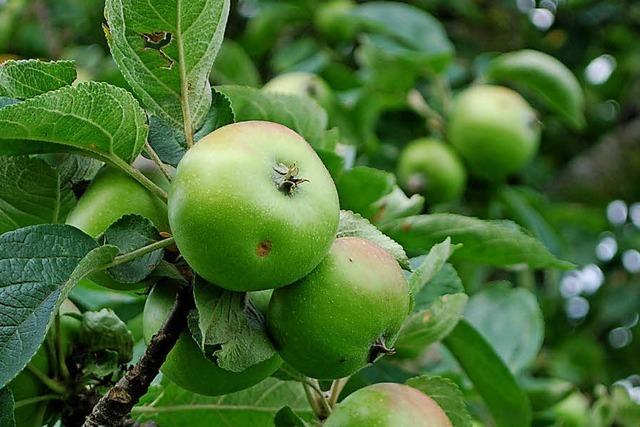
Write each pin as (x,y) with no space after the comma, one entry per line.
(444,91)
(32,400)
(139,176)
(156,159)
(184,86)
(316,398)
(62,365)
(308,391)
(130,256)
(52,384)
(336,388)
(435,121)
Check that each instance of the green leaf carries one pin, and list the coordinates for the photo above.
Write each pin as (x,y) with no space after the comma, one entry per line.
(396,205)
(431,325)
(353,225)
(28,78)
(228,328)
(6,408)
(431,265)
(499,243)
(101,120)
(446,281)
(129,233)
(234,67)
(447,395)
(38,266)
(543,74)
(511,320)
(287,418)
(170,406)
(491,378)
(165,50)
(300,113)
(521,211)
(73,168)
(545,392)
(32,192)
(103,331)
(359,188)
(403,32)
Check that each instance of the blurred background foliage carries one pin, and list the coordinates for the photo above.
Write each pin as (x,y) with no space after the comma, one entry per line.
(580,196)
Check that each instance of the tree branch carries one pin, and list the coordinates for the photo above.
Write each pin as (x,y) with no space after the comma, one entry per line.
(114,407)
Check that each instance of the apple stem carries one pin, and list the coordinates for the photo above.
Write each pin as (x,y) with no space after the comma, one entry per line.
(379,348)
(287,177)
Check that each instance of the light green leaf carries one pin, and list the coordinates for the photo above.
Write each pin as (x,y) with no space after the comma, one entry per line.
(28,78)
(171,406)
(446,281)
(38,266)
(353,225)
(297,112)
(499,243)
(547,77)
(431,325)
(165,50)
(447,395)
(101,120)
(31,192)
(396,205)
(228,328)
(431,265)
(359,188)
(511,320)
(491,378)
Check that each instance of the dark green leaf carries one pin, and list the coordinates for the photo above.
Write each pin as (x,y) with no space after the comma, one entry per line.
(38,266)
(300,113)
(521,211)
(165,50)
(234,67)
(32,192)
(6,408)
(549,78)
(491,378)
(447,395)
(431,325)
(353,225)
(129,233)
(31,77)
(500,243)
(406,33)
(511,320)
(103,331)
(287,418)
(102,120)
(359,188)
(228,328)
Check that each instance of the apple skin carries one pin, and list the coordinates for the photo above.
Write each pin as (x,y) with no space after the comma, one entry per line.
(495,131)
(234,221)
(432,168)
(388,405)
(302,83)
(327,325)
